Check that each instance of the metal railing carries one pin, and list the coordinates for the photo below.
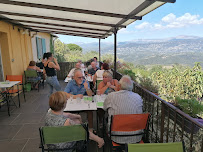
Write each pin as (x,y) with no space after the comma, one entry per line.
(167,123)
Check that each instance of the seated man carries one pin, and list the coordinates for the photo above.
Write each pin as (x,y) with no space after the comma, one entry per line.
(93,70)
(77,66)
(77,88)
(124,102)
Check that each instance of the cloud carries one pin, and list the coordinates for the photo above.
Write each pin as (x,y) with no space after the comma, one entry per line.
(171,21)
(169,18)
(143,25)
(123,31)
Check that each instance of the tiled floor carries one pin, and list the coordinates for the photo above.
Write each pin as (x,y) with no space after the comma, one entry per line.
(20,131)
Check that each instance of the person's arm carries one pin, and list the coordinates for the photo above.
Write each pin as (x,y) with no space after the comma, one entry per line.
(55,66)
(38,69)
(115,86)
(102,88)
(95,78)
(74,117)
(87,88)
(70,74)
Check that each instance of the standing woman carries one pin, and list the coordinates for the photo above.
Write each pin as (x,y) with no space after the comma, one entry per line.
(50,66)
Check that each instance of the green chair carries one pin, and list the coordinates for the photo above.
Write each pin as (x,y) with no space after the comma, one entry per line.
(32,77)
(156,147)
(61,134)
(97,83)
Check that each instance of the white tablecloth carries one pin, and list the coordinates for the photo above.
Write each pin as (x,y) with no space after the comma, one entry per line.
(87,103)
(8,84)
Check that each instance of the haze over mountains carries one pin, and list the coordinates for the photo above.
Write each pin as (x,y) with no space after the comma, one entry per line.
(181,49)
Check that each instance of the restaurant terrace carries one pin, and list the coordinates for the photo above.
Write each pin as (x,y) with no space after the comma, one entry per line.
(28,29)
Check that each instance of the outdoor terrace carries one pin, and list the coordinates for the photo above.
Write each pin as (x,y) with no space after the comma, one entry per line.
(19,132)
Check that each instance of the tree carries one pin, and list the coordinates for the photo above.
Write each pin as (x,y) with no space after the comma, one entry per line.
(60,50)
(74,47)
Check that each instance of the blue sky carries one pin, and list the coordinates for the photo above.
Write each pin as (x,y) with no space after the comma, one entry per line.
(185,17)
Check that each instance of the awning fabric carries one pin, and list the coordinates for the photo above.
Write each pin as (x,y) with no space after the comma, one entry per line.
(87,18)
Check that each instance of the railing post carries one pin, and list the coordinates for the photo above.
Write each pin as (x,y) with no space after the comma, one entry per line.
(162,122)
(115,50)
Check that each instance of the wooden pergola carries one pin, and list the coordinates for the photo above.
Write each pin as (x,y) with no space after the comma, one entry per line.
(86,18)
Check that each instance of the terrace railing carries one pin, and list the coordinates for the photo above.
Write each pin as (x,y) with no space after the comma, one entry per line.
(167,123)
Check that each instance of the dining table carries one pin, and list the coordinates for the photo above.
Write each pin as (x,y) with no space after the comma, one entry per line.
(5,86)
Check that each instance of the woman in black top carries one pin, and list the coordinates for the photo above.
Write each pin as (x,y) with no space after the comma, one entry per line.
(50,66)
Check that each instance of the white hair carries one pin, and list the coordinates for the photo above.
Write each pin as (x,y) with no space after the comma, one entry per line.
(126,83)
(76,70)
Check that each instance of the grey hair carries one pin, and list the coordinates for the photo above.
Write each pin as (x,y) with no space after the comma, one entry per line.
(126,83)
(76,70)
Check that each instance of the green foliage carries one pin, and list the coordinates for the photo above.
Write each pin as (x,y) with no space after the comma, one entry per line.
(51,44)
(147,83)
(60,50)
(74,48)
(190,106)
(174,82)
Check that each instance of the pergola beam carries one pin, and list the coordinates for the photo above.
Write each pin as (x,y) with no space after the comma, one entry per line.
(58,25)
(166,1)
(59,19)
(140,8)
(65,30)
(67,33)
(68,9)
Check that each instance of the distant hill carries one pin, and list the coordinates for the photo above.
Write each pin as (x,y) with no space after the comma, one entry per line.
(181,49)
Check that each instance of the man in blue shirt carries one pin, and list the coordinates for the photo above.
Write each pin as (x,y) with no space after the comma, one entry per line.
(78,86)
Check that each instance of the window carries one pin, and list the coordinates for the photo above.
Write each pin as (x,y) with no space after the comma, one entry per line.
(41,47)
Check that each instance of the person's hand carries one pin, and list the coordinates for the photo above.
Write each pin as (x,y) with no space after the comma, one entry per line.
(79,95)
(86,85)
(55,60)
(108,84)
(112,86)
(100,142)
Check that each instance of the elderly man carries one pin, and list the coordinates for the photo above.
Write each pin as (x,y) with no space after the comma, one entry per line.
(78,86)
(77,66)
(124,102)
(94,68)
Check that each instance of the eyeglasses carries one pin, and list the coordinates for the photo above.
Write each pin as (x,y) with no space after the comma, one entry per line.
(79,77)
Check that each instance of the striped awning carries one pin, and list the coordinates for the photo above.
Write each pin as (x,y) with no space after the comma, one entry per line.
(86,18)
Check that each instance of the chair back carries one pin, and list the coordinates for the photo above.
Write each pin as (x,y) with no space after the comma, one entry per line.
(14,78)
(129,122)
(97,83)
(30,73)
(60,134)
(157,147)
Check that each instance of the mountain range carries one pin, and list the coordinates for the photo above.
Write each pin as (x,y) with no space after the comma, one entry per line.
(182,49)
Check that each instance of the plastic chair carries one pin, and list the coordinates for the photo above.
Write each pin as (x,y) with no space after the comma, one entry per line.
(13,90)
(31,77)
(61,134)
(156,147)
(128,124)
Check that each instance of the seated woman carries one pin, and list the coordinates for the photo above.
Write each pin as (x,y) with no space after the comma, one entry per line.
(32,66)
(108,84)
(99,74)
(56,117)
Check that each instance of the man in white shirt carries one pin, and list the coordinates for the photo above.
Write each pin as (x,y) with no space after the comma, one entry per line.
(124,102)
(77,66)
